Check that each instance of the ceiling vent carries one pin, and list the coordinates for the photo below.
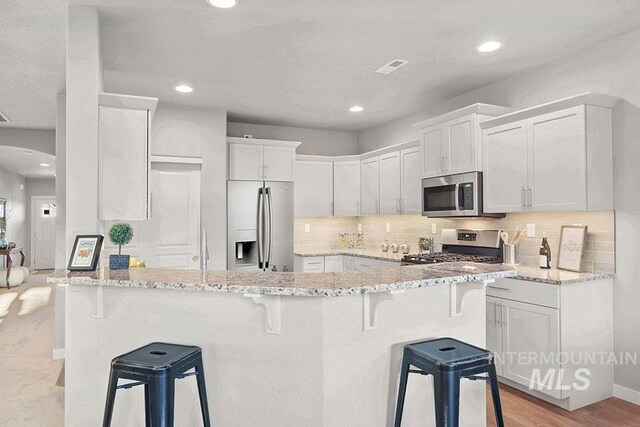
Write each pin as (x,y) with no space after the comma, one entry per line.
(391,66)
(4,118)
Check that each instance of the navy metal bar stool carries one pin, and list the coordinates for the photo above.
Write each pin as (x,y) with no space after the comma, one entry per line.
(448,360)
(157,366)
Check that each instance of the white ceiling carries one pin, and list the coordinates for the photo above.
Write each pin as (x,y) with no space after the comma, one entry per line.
(298,62)
(16,160)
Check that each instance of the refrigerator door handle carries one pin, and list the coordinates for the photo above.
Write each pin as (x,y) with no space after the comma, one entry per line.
(260,236)
(269,227)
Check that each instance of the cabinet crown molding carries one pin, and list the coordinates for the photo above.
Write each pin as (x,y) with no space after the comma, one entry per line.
(258,141)
(478,108)
(587,98)
(132,102)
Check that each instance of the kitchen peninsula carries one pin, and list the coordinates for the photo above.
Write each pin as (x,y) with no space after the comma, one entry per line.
(280,349)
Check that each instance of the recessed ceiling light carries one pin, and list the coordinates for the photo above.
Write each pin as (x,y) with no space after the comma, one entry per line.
(44,165)
(223,4)
(489,46)
(356,109)
(28,153)
(183,88)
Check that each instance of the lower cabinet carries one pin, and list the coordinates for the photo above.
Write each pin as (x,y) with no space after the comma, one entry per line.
(338,263)
(333,263)
(544,337)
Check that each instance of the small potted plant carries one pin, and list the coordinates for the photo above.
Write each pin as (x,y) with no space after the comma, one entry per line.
(120,234)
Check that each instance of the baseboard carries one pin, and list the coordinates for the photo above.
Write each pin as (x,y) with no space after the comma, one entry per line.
(57,353)
(627,394)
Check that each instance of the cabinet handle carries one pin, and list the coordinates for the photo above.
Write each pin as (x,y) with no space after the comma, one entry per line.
(497,306)
(150,205)
(333,212)
(401,205)
(377,207)
(524,198)
(502,314)
(530,199)
(358,207)
(314,263)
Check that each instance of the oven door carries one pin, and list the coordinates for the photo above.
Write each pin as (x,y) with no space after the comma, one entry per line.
(451,195)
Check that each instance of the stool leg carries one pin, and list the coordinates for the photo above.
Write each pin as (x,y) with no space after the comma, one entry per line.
(447,398)
(111,397)
(402,391)
(161,401)
(202,391)
(495,395)
(147,405)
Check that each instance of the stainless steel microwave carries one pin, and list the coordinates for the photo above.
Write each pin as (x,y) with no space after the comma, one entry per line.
(457,195)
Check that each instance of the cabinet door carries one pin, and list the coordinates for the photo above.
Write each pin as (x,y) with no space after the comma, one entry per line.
(432,157)
(390,183)
(313,189)
(370,186)
(557,161)
(530,329)
(346,188)
(494,330)
(278,163)
(505,168)
(333,263)
(411,181)
(366,264)
(245,162)
(460,149)
(124,164)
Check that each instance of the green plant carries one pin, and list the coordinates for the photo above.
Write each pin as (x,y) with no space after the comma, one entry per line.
(120,234)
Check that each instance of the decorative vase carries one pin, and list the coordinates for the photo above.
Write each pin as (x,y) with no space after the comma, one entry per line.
(118,262)
(4,244)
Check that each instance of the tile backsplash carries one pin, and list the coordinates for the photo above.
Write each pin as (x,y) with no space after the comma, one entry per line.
(599,252)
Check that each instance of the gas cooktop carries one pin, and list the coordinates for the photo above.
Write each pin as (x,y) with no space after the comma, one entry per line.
(439,257)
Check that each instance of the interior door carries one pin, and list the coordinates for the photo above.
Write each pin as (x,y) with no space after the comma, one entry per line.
(174,227)
(44,232)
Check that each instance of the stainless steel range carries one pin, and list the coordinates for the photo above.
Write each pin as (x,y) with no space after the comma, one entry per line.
(463,245)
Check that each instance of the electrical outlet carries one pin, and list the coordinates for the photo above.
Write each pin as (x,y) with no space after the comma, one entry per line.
(388,227)
(434,229)
(307,228)
(531,230)
(359,228)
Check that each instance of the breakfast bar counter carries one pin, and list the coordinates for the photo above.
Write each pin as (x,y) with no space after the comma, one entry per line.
(280,349)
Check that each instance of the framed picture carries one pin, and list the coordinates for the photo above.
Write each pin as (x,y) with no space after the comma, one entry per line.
(572,241)
(85,253)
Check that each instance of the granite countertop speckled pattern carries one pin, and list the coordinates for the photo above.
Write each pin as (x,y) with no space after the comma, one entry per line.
(555,276)
(362,253)
(295,284)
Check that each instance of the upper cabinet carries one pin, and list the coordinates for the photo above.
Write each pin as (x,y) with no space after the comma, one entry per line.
(451,142)
(411,180)
(370,186)
(553,157)
(313,188)
(346,187)
(390,183)
(261,159)
(124,128)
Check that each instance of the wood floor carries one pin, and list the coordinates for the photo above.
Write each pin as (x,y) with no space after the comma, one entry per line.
(520,410)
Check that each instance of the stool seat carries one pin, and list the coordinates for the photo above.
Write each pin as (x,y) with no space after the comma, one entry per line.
(157,366)
(448,354)
(448,360)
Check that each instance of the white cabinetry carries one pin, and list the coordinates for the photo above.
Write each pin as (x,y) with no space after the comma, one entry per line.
(313,188)
(340,262)
(410,180)
(370,186)
(333,263)
(451,142)
(124,123)
(346,188)
(261,159)
(554,157)
(539,333)
(389,183)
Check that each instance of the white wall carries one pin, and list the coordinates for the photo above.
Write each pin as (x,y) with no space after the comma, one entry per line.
(16,207)
(35,187)
(32,139)
(194,132)
(612,68)
(321,142)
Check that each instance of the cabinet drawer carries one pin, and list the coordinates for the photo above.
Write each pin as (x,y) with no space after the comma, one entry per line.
(313,263)
(544,294)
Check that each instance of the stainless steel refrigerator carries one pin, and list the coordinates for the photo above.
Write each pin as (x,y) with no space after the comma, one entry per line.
(260,226)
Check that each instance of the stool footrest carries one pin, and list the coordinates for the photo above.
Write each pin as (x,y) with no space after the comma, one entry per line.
(129,385)
(417,371)
(477,377)
(186,374)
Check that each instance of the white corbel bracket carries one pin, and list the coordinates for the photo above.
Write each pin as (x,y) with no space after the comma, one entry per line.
(370,303)
(457,291)
(273,309)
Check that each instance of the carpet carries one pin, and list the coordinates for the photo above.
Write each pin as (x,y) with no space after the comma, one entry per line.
(31,383)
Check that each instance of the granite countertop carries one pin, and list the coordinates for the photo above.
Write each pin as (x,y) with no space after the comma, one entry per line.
(362,253)
(295,284)
(555,276)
